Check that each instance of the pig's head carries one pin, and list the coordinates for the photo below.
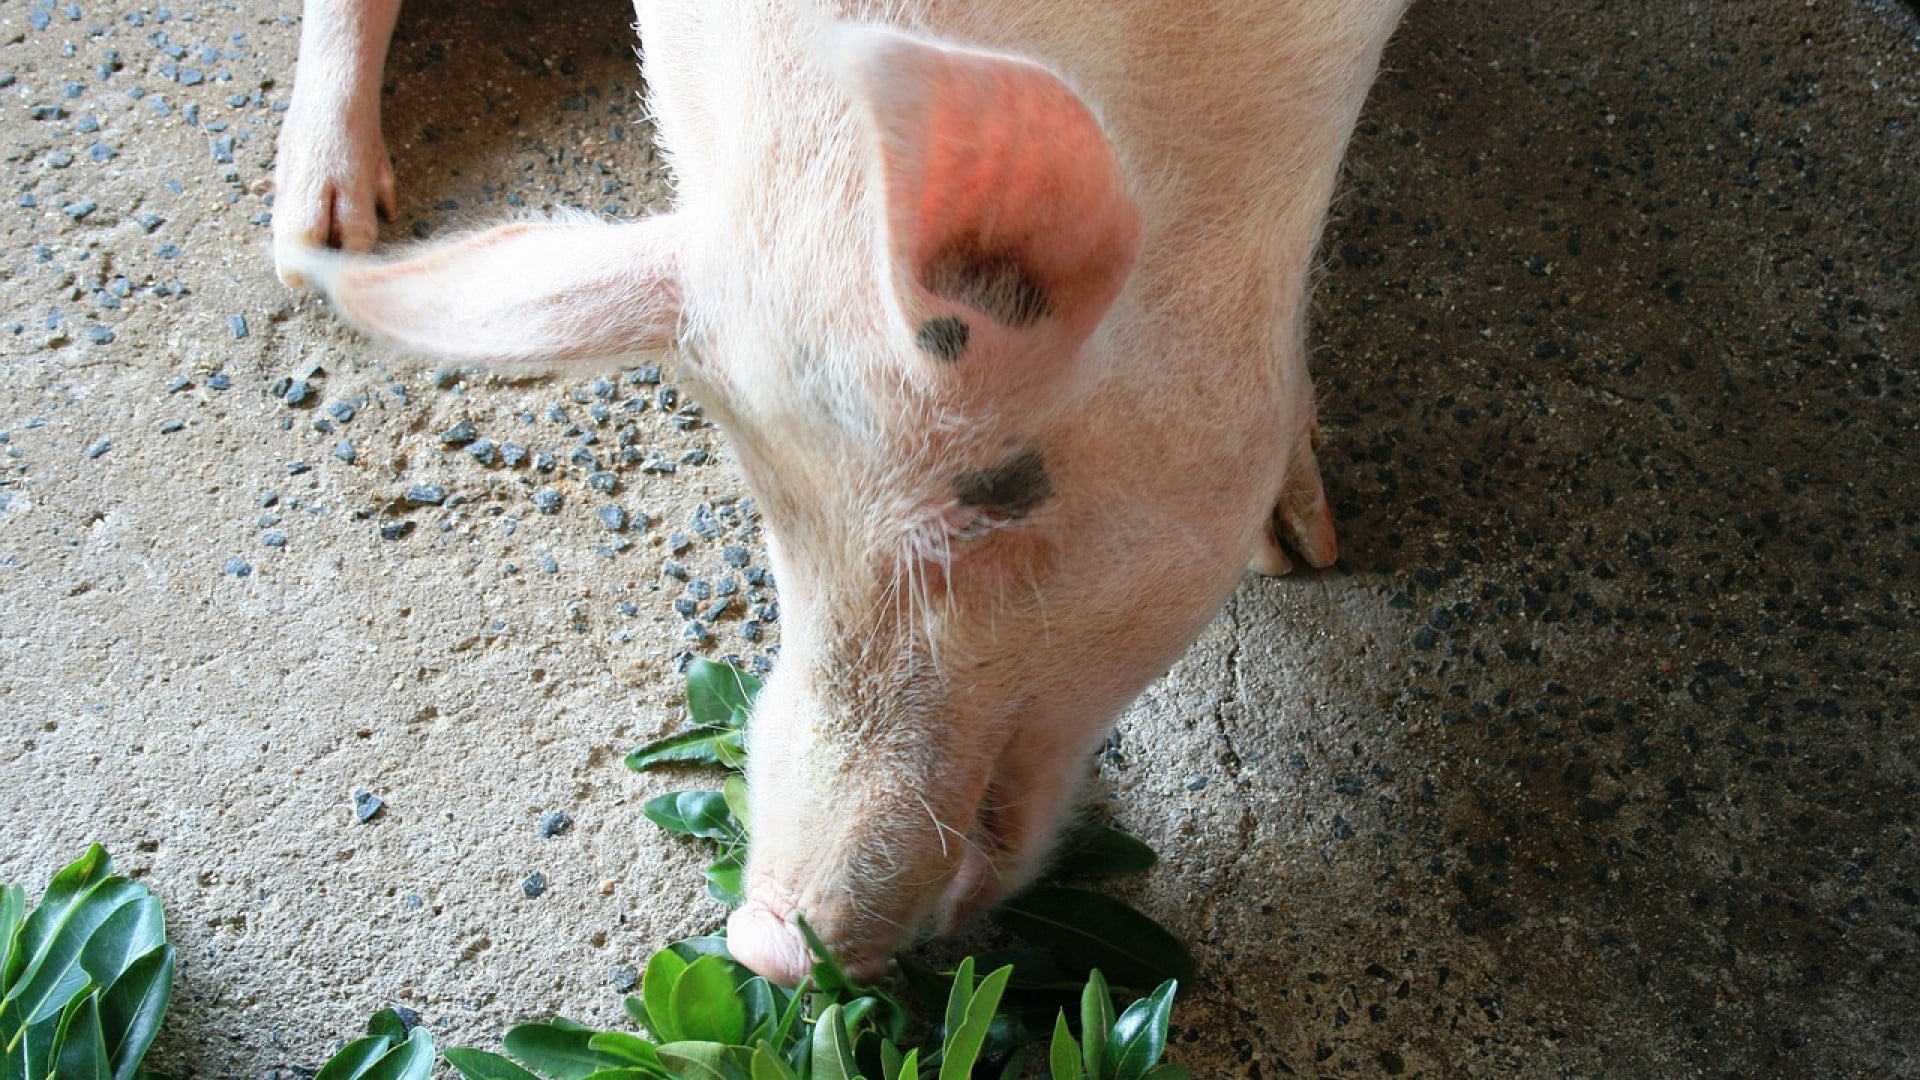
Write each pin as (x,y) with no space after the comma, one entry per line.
(895,285)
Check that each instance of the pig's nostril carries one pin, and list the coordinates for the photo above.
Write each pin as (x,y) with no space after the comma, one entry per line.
(766,941)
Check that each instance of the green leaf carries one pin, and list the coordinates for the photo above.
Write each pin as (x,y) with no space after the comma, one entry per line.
(767,1065)
(1088,930)
(1092,848)
(132,1008)
(726,876)
(480,1065)
(83,900)
(910,1065)
(962,1048)
(630,1073)
(1140,1035)
(82,1053)
(355,1058)
(1170,1072)
(411,1060)
(1096,1018)
(958,995)
(827,974)
(734,791)
(13,909)
(563,1050)
(695,813)
(719,695)
(387,1023)
(1063,1057)
(832,1053)
(705,1007)
(628,1049)
(703,744)
(704,1061)
(656,993)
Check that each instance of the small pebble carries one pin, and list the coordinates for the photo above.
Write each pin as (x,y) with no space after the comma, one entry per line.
(535,884)
(483,451)
(219,380)
(79,210)
(238,567)
(238,325)
(395,530)
(623,977)
(366,805)
(426,494)
(547,500)
(459,434)
(735,555)
(605,483)
(678,542)
(297,391)
(295,468)
(674,570)
(547,564)
(512,453)
(273,539)
(341,411)
(612,517)
(554,822)
(99,335)
(344,451)
(98,447)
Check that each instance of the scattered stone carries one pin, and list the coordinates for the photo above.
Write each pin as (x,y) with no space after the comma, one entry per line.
(603,482)
(273,539)
(554,822)
(535,884)
(735,555)
(98,447)
(238,567)
(366,805)
(426,494)
(614,518)
(547,500)
(623,977)
(395,530)
(344,451)
(483,450)
(459,434)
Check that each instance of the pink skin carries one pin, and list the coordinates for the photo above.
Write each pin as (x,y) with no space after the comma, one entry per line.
(930,718)
(332,177)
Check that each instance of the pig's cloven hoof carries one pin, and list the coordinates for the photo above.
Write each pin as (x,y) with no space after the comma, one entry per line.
(1301,521)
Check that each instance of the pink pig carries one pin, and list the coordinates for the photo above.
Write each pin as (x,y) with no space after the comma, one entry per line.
(1002,307)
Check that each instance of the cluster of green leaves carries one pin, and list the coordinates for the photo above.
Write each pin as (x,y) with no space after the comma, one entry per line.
(707,1017)
(711,1019)
(85,978)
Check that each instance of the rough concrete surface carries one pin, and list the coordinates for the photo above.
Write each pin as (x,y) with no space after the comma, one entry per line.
(1596,755)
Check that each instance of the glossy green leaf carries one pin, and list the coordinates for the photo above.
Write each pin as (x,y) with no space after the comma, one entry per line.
(962,1047)
(82,1053)
(1096,1019)
(693,948)
(1091,848)
(695,813)
(481,1065)
(82,901)
(1088,930)
(626,1048)
(355,1058)
(734,791)
(767,1065)
(562,1050)
(1140,1035)
(959,994)
(132,1008)
(13,910)
(1063,1056)
(630,1073)
(699,745)
(719,695)
(705,1061)
(705,1006)
(827,974)
(832,1052)
(412,1059)
(1170,1072)
(656,993)
(726,877)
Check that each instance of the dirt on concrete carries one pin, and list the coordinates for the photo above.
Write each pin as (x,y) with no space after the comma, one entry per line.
(1596,755)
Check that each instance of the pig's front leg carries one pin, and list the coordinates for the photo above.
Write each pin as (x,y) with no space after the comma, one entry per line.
(1301,518)
(332,177)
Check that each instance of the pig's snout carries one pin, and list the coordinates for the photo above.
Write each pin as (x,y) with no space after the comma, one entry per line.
(767,938)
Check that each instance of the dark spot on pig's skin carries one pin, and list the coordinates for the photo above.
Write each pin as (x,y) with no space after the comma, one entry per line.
(997,285)
(944,338)
(1012,487)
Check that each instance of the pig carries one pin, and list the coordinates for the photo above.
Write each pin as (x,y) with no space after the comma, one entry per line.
(1001,306)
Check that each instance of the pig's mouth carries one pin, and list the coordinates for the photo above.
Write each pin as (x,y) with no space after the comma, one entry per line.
(765,935)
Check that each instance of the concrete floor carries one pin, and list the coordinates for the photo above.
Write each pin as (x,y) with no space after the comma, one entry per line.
(1595,757)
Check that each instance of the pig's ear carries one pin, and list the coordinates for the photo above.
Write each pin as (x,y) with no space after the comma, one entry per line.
(526,293)
(1001,193)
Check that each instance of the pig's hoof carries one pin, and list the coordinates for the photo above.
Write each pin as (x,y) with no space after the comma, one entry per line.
(1301,521)
(336,209)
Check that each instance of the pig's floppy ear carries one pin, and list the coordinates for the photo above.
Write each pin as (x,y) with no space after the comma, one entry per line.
(525,293)
(1002,195)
